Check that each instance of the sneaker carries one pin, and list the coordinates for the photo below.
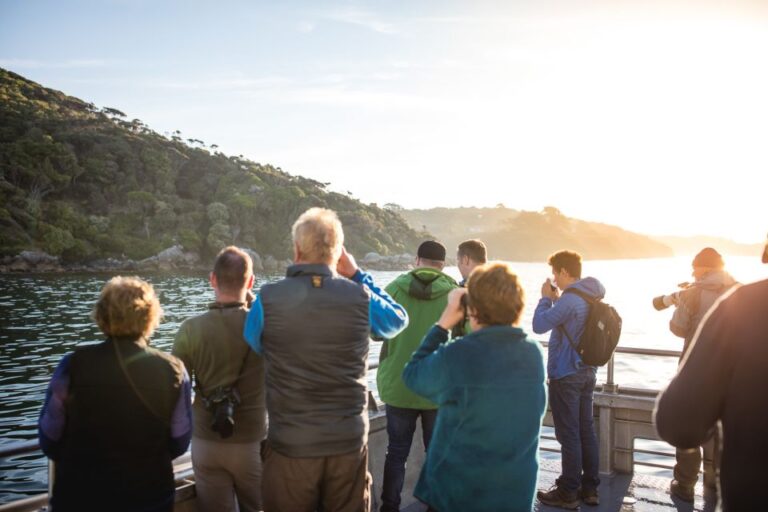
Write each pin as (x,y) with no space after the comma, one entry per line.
(680,491)
(559,497)
(590,497)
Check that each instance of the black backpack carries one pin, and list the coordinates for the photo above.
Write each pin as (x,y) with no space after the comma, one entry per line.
(601,331)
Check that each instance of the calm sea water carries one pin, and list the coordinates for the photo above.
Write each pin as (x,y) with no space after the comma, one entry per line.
(42,317)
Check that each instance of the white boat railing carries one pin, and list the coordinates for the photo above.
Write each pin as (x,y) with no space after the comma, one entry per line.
(183,466)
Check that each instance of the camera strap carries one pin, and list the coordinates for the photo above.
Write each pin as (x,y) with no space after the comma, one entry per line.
(199,385)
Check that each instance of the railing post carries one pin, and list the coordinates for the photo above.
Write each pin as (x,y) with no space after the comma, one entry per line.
(606,440)
(610,386)
(51,477)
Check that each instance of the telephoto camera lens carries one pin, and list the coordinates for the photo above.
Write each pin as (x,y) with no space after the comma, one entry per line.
(664,301)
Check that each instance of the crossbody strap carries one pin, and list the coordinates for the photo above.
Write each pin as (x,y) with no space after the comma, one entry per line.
(588,299)
(198,384)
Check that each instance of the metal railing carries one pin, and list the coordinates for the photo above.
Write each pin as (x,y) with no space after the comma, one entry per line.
(609,386)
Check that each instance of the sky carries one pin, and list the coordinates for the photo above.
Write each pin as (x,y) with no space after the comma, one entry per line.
(648,115)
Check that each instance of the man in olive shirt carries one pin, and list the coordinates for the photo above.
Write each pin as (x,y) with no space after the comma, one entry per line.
(226,458)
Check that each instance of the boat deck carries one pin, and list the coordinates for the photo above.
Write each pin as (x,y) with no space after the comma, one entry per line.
(619,493)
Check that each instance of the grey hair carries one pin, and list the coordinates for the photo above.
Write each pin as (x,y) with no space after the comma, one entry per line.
(318,235)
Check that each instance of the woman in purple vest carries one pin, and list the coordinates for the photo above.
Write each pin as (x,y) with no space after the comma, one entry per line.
(117,413)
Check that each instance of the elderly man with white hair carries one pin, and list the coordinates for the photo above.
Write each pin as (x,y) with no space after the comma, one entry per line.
(313,329)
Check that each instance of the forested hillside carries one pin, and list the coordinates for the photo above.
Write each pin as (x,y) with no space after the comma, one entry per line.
(532,236)
(83,182)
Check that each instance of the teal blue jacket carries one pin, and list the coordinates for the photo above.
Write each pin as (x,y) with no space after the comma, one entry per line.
(490,389)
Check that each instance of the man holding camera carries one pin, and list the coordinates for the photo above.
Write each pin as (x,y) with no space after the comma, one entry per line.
(722,383)
(571,382)
(692,303)
(229,412)
(423,292)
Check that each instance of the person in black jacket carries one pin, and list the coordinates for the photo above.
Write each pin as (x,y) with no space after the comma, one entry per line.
(117,413)
(721,384)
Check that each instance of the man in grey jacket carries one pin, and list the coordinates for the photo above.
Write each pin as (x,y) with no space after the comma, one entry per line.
(722,383)
(711,281)
(313,330)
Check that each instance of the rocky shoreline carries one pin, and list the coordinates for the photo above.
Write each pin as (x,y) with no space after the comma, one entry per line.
(174,258)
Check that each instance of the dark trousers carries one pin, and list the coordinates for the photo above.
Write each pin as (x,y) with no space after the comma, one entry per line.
(401,424)
(570,399)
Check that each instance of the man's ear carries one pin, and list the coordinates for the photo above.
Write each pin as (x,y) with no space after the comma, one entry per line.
(249,284)
(212,280)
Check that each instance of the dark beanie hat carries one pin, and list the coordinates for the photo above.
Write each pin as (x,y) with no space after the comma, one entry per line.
(708,257)
(431,250)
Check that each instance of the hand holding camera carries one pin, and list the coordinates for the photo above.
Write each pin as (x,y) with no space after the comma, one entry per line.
(664,301)
(455,309)
(549,290)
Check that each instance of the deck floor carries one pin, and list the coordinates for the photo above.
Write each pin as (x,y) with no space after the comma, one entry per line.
(619,493)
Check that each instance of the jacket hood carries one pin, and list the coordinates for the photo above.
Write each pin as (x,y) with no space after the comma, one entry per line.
(591,286)
(716,280)
(425,283)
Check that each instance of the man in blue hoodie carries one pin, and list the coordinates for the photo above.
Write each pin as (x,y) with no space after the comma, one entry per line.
(571,382)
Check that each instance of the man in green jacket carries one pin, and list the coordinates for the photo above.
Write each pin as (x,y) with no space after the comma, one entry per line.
(423,292)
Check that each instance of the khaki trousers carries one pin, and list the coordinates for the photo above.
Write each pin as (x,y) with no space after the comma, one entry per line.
(338,483)
(689,461)
(227,476)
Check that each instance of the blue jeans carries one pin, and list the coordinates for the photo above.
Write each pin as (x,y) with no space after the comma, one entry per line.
(570,399)
(401,424)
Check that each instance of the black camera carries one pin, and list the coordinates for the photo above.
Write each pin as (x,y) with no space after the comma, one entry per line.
(222,404)
(664,301)
(459,329)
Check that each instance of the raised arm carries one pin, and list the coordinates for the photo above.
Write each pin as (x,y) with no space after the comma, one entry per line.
(549,314)
(387,317)
(428,372)
(254,325)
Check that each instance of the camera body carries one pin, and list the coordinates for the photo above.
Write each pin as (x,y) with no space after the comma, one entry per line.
(662,302)
(222,403)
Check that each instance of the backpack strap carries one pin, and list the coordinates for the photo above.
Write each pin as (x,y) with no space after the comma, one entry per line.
(568,336)
(589,300)
(584,295)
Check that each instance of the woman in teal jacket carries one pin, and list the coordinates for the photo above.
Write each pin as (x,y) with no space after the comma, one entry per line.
(490,388)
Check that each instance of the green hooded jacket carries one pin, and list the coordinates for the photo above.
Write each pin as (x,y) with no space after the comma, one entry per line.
(423,292)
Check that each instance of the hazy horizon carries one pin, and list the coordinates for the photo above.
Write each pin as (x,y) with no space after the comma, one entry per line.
(646,116)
